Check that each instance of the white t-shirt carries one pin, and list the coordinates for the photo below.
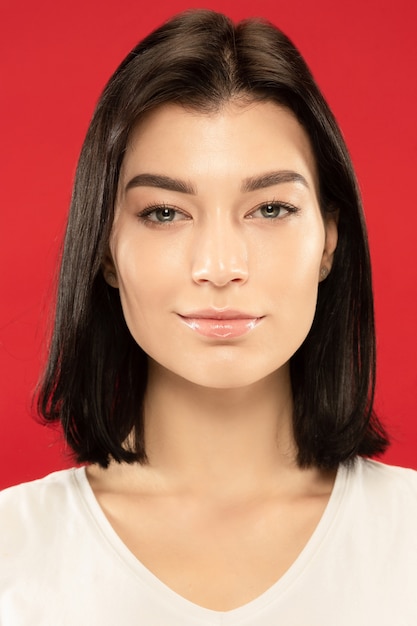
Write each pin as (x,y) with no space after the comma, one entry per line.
(62,564)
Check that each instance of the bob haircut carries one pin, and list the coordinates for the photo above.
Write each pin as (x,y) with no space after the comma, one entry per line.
(95,379)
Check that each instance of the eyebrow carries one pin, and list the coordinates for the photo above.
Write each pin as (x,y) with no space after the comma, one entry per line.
(161,182)
(273,178)
(253,183)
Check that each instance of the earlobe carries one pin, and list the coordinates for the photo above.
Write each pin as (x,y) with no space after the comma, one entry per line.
(109,271)
(330,244)
(324,272)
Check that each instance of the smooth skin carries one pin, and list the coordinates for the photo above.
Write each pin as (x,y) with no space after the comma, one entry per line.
(217,212)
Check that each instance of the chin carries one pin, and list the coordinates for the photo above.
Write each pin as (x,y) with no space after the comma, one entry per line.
(232,377)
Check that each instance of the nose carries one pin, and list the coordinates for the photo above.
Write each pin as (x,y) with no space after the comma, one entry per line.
(220,254)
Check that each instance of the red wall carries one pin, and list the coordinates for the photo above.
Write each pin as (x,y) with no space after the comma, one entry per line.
(57,56)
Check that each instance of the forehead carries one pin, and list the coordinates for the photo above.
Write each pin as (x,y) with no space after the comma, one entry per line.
(238,140)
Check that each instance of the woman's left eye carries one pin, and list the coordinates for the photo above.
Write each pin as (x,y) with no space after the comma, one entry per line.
(271,210)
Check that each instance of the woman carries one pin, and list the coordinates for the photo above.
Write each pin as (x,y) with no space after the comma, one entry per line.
(213,361)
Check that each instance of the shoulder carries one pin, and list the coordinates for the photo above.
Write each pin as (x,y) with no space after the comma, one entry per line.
(37,491)
(386,479)
(378,490)
(32,510)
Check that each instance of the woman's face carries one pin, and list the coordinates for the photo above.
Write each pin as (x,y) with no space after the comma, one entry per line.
(218,241)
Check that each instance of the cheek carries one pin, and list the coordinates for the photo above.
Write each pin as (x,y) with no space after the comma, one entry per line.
(305,270)
(146,284)
(134,277)
(294,281)
(294,260)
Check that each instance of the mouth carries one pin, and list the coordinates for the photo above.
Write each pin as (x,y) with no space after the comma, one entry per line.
(223,324)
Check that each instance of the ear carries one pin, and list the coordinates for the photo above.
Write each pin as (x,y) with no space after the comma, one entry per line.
(330,243)
(109,270)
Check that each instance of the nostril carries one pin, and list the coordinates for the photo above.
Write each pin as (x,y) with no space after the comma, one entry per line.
(220,262)
(220,276)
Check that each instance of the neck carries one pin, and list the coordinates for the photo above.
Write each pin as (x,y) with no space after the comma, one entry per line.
(216,440)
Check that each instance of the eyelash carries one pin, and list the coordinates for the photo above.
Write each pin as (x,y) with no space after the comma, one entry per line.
(144,215)
(275,204)
(153,208)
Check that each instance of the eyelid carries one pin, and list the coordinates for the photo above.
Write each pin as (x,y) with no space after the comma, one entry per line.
(152,208)
(181,215)
(289,208)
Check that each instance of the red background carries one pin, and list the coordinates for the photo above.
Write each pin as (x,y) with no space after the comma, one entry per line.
(56,58)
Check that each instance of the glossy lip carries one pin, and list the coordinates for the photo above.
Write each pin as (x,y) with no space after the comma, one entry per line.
(221,323)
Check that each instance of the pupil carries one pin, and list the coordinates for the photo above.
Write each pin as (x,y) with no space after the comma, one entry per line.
(165,214)
(270,209)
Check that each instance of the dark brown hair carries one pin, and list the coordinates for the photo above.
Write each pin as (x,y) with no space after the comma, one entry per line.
(96,376)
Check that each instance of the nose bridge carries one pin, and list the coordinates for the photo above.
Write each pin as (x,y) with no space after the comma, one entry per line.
(220,251)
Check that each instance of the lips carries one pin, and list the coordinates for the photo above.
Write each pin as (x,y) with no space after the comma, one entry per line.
(223,324)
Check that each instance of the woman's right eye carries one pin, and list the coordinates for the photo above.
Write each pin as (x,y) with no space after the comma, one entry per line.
(162,215)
